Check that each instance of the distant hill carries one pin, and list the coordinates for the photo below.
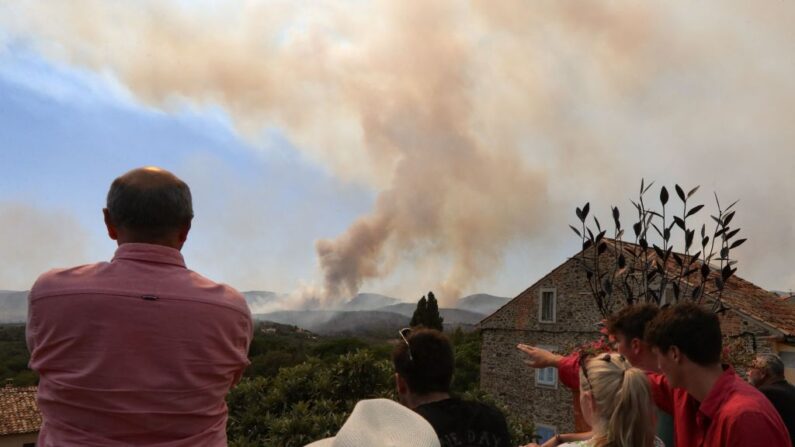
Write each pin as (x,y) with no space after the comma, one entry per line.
(263,300)
(451,316)
(13,306)
(481,303)
(376,311)
(369,301)
(378,322)
(365,322)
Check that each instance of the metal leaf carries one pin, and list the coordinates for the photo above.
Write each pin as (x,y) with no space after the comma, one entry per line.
(694,210)
(575,230)
(680,193)
(692,191)
(728,218)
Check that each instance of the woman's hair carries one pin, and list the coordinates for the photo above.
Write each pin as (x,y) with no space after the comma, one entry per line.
(622,396)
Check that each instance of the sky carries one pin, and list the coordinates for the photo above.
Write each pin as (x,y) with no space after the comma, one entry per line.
(392,147)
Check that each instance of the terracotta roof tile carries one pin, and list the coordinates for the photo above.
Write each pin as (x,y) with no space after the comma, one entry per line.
(743,296)
(19,412)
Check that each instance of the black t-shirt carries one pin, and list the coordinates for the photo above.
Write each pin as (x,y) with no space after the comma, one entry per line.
(782,396)
(466,424)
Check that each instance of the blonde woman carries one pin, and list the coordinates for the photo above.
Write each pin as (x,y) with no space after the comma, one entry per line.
(616,402)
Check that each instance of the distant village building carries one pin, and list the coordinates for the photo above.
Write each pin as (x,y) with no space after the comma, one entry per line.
(19,416)
(558,313)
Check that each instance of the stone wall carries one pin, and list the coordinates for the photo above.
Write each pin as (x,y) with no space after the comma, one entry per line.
(503,373)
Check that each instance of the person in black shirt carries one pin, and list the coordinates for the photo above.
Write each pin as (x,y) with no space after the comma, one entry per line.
(767,375)
(424,366)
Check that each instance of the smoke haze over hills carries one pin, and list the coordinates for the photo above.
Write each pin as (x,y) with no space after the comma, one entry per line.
(477,125)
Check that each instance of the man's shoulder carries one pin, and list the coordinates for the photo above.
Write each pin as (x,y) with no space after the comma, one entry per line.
(783,388)
(745,404)
(223,293)
(462,409)
(56,279)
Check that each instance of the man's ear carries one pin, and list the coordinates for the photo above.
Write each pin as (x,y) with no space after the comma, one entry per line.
(112,232)
(183,233)
(401,385)
(675,354)
(636,345)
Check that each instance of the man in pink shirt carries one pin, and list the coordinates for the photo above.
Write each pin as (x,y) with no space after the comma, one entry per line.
(139,350)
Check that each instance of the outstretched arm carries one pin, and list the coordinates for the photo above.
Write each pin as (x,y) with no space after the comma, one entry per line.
(541,358)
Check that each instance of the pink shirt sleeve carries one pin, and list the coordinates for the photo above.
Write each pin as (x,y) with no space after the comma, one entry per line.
(568,371)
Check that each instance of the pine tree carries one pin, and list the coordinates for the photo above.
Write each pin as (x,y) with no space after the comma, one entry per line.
(427,313)
(433,319)
(418,319)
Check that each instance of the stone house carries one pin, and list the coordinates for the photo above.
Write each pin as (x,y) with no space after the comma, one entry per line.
(558,312)
(19,416)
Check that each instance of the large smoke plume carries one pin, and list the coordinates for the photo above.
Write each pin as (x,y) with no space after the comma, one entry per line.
(466,117)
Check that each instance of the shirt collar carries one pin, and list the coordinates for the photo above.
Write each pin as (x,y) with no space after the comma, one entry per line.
(149,253)
(719,393)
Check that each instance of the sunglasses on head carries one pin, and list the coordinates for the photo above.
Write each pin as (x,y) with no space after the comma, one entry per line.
(584,358)
(404,334)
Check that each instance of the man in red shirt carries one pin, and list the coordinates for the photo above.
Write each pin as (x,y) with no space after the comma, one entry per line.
(712,406)
(139,350)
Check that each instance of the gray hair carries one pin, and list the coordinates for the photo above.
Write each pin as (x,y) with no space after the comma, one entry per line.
(770,363)
(152,209)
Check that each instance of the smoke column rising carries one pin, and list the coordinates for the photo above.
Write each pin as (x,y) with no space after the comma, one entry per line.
(475,122)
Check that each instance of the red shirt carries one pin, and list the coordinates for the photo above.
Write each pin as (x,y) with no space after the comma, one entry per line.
(734,414)
(136,351)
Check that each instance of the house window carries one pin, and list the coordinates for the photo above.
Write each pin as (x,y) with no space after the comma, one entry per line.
(545,432)
(547,377)
(667,296)
(547,306)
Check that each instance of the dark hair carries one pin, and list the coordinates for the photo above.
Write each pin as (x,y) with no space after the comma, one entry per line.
(770,363)
(631,321)
(689,327)
(430,368)
(151,203)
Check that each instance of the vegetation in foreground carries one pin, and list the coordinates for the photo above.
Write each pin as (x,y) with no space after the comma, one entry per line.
(299,387)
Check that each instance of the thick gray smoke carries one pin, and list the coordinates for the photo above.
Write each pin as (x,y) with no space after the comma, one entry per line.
(479,123)
(34,240)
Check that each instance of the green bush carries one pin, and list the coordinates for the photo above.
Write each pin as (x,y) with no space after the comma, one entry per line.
(305,402)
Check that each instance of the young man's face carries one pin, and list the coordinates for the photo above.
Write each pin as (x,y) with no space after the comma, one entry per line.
(621,344)
(669,365)
(626,347)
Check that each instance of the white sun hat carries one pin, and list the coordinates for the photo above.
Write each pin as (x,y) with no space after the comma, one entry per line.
(382,422)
